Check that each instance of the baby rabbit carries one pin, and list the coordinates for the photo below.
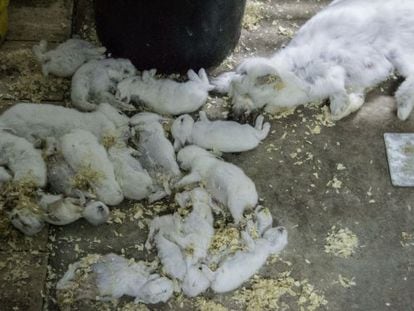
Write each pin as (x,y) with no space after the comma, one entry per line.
(115,276)
(166,96)
(82,151)
(134,181)
(226,182)
(95,82)
(44,121)
(223,136)
(156,152)
(60,210)
(67,57)
(347,48)
(240,267)
(22,159)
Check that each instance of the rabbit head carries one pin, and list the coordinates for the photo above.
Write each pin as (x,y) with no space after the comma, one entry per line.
(188,154)
(96,213)
(181,130)
(123,92)
(277,238)
(157,289)
(257,81)
(26,221)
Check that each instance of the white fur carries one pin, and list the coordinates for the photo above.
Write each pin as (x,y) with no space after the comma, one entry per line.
(135,182)
(115,276)
(226,182)
(156,152)
(26,221)
(59,210)
(42,121)
(347,48)
(95,82)
(223,136)
(4,175)
(22,159)
(237,269)
(166,96)
(81,149)
(67,57)
(183,243)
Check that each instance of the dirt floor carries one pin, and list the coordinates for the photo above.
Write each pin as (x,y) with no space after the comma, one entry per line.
(351,233)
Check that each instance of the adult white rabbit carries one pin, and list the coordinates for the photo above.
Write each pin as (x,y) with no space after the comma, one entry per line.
(347,48)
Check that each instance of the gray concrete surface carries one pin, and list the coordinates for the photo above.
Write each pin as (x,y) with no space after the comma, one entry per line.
(292,170)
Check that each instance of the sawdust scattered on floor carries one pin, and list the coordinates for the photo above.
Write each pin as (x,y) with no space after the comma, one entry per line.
(24,80)
(270,294)
(203,304)
(253,14)
(341,242)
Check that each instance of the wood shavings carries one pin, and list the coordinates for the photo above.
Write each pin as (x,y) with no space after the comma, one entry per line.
(268,294)
(335,183)
(82,285)
(132,306)
(253,14)
(340,167)
(345,282)
(203,304)
(225,239)
(19,195)
(85,177)
(407,239)
(341,242)
(25,80)
(117,216)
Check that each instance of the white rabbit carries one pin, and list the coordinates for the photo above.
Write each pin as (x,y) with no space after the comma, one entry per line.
(22,159)
(116,276)
(223,136)
(81,150)
(347,48)
(237,269)
(42,121)
(60,210)
(26,220)
(67,57)
(156,153)
(166,96)
(4,175)
(226,182)
(135,182)
(95,82)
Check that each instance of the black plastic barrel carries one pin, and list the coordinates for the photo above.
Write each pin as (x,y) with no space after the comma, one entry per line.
(170,35)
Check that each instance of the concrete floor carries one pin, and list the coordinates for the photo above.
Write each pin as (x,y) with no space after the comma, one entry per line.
(292,170)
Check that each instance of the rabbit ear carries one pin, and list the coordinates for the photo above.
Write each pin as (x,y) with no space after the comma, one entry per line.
(257,67)
(192,76)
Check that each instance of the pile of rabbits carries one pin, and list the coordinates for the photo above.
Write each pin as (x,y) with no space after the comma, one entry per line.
(84,159)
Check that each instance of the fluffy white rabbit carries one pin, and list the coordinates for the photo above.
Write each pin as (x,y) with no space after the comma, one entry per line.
(116,276)
(67,57)
(95,82)
(135,182)
(22,159)
(240,267)
(156,153)
(223,136)
(60,210)
(166,96)
(347,48)
(44,121)
(224,181)
(81,150)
